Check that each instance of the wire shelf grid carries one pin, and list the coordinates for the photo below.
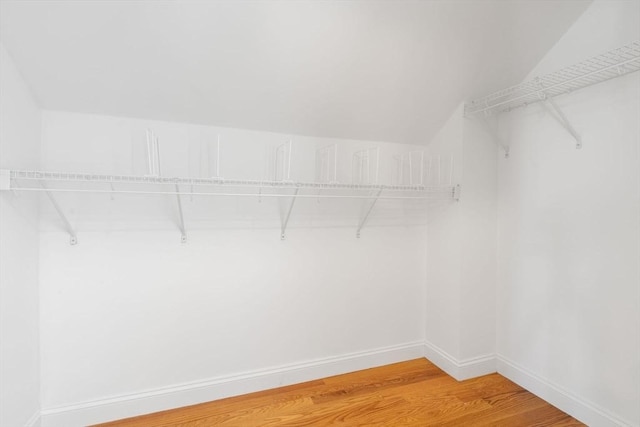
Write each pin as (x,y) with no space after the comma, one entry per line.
(617,62)
(30,181)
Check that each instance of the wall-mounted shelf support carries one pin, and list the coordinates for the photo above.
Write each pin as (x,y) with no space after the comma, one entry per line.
(606,66)
(556,112)
(109,185)
(73,239)
(183,236)
(363,221)
(286,218)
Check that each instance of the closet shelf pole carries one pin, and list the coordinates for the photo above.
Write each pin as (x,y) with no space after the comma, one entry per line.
(366,215)
(286,219)
(183,236)
(73,239)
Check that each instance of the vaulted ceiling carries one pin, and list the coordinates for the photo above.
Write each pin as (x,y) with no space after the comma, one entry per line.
(377,70)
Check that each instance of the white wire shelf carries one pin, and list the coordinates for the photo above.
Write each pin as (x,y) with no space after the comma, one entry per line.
(25,180)
(615,63)
(63,182)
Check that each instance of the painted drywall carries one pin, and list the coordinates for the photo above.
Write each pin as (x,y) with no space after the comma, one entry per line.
(388,71)
(131,311)
(569,236)
(461,268)
(478,229)
(19,361)
(444,252)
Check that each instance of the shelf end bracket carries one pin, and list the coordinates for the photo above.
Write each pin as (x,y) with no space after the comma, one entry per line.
(557,113)
(73,239)
(283,229)
(183,236)
(364,219)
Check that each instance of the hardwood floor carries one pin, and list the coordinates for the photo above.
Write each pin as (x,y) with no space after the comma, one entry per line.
(413,393)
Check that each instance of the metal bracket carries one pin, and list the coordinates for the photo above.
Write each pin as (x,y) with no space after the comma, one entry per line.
(286,219)
(496,138)
(366,215)
(73,239)
(555,112)
(183,237)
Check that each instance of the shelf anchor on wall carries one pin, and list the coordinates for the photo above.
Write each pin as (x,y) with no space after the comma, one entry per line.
(286,218)
(73,239)
(183,237)
(556,112)
(366,215)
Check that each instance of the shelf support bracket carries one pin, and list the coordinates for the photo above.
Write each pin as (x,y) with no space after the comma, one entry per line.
(364,219)
(557,113)
(496,138)
(283,229)
(73,239)
(183,236)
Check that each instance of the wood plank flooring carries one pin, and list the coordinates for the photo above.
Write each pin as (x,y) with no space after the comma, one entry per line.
(413,393)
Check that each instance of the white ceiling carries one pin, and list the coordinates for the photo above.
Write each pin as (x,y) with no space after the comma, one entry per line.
(376,70)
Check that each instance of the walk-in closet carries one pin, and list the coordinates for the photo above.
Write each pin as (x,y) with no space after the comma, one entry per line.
(316,213)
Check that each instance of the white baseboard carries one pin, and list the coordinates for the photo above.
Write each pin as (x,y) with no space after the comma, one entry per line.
(460,369)
(130,405)
(34,421)
(579,408)
(149,401)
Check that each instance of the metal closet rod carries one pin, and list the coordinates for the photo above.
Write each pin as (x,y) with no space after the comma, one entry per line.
(258,195)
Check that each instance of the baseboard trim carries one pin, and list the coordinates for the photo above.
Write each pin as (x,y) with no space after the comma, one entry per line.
(34,421)
(460,369)
(579,408)
(130,405)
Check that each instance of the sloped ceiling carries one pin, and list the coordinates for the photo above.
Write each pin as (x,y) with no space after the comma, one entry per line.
(376,70)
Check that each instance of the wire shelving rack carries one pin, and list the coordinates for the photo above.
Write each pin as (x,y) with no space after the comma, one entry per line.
(606,66)
(25,180)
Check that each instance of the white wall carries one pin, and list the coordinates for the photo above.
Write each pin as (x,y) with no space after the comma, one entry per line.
(132,321)
(444,252)
(478,229)
(461,268)
(20,148)
(569,236)
(130,315)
